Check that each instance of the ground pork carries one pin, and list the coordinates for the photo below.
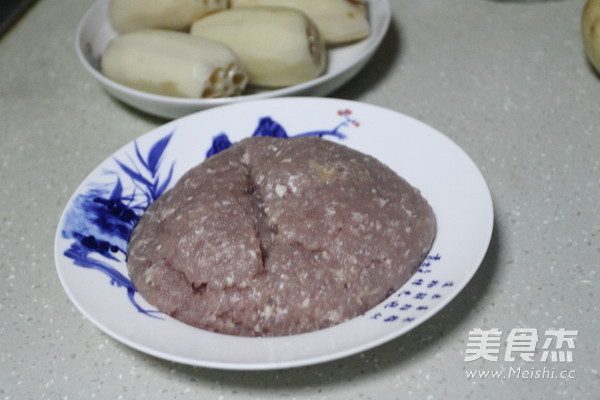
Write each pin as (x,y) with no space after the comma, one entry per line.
(276,237)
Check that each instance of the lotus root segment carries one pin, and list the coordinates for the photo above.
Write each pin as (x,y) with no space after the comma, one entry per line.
(339,21)
(132,15)
(174,64)
(278,46)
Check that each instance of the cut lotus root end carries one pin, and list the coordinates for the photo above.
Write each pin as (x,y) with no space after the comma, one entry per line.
(315,44)
(225,82)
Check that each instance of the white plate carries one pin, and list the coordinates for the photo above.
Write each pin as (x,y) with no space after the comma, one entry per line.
(91,236)
(95,32)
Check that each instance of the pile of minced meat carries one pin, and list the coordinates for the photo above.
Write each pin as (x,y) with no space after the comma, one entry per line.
(277,237)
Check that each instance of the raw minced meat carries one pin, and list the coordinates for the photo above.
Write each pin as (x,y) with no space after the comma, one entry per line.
(276,237)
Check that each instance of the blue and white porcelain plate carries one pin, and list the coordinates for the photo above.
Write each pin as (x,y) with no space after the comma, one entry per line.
(91,239)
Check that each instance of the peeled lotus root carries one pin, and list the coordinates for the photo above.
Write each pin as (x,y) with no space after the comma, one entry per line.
(132,15)
(277,46)
(174,64)
(590,30)
(339,21)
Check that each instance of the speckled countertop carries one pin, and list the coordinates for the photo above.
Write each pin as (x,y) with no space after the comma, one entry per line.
(506,80)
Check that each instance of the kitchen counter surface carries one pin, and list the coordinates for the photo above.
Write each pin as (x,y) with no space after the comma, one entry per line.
(508,81)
